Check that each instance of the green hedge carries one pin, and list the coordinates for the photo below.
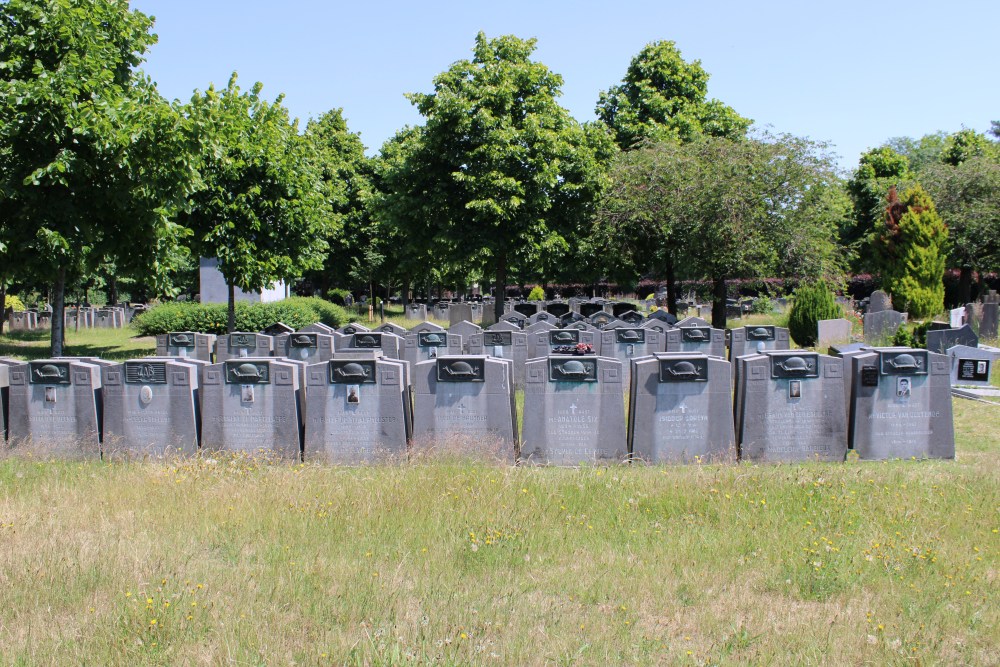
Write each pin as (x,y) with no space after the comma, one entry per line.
(296,312)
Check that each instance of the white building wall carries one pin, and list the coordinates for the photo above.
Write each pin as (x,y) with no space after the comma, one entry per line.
(214,290)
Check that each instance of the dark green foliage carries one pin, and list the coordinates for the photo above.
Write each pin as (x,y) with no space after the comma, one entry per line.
(911,335)
(813,302)
(878,170)
(296,312)
(338,296)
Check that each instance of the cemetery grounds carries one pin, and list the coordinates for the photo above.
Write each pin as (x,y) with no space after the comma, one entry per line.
(448,561)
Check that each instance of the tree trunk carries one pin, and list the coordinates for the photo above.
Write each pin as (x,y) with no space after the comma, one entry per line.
(112,291)
(3,305)
(501,286)
(719,302)
(231,314)
(965,284)
(58,313)
(405,293)
(671,288)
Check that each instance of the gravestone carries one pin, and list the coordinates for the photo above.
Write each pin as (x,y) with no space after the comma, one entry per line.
(511,345)
(465,404)
(4,396)
(680,409)
(243,344)
(937,326)
(357,411)
(901,405)
(694,322)
(460,312)
(503,325)
(575,411)
(416,311)
(956,317)
(690,336)
(657,325)
(465,329)
(632,318)
(515,317)
(626,344)
(252,405)
(186,344)
(590,309)
(571,318)
(558,308)
(878,302)
(988,323)
(45,319)
(476,312)
(390,344)
(440,310)
(663,315)
(547,342)
(620,308)
(755,339)
(426,345)
(352,328)
(393,328)
(150,407)
(601,318)
(22,320)
(791,407)
(311,348)
(882,325)
(277,329)
(539,327)
(319,327)
(543,316)
(939,341)
(831,332)
(426,326)
(54,408)
(83,315)
(972,366)
(526,309)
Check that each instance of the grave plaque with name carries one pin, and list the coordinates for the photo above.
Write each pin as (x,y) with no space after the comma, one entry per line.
(576,411)
(791,407)
(243,344)
(545,343)
(186,344)
(427,345)
(304,346)
(390,344)
(901,405)
(939,341)
(694,338)
(465,404)
(755,339)
(357,411)
(511,345)
(680,409)
(150,407)
(252,405)
(972,366)
(629,343)
(54,408)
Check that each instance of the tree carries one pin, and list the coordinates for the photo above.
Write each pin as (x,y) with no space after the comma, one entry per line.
(499,170)
(664,97)
(259,208)
(878,170)
(965,145)
(94,161)
(912,252)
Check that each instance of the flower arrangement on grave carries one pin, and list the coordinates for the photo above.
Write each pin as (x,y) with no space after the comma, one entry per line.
(579,349)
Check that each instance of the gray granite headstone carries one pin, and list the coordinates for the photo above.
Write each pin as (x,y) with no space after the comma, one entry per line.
(514,317)
(305,346)
(755,339)
(939,341)
(988,323)
(575,411)
(693,322)
(416,311)
(319,327)
(791,407)
(632,318)
(460,312)
(20,320)
(277,329)
(503,325)
(879,301)
(600,319)
(426,326)
(352,328)
(186,344)
(465,329)
(241,344)
(393,328)
(357,411)
(427,345)
(543,316)
(54,408)
(973,366)
(626,344)
(692,337)
(545,343)
(465,404)
(831,332)
(657,324)
(956,317)
(511,345)
(390,344)
(527,309)
(539,327)
(901,405)
(150,407)
(680,409)
(4,396)
(252,405)
(882,325)
(588,310)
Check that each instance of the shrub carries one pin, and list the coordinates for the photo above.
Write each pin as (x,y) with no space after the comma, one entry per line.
(912,335)
(328,313)
(762,305)
(296,312)
(12,303)
(813,302)
(536,294)
(337,296)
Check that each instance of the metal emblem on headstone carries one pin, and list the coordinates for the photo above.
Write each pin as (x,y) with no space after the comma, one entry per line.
(145,372)
(911,362)
(304,340)
(352,372)
(630,336)
(349,331)
(367,340)
(564,337)
(684,370)
(803,365)
(697,334)
(432,339)
(497,338)
(248,372)
(760,333)
(247,341)
(450,370)
(569,369)
(49,373)
(183,339)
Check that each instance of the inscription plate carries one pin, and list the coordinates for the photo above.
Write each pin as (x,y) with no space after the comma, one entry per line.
(145,372)
(247,341)
(684,370)
(910,362)
(49,373)
(795,366)
(470,370)
(352,372)
(572,370)
(564,337)
(975,370)
(495,338)
(869,376)
(697,335)
(182,339)
(248,372)
(304,340)
(760,333)
(367,340)
(630,336)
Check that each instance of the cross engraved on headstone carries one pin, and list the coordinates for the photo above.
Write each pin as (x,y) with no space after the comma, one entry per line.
(572,408)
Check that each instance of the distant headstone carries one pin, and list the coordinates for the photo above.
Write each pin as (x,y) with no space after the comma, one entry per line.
(503,325)
(626,344)
(632,318)
(460,312)
(20,320)
(305,346)
(53,408)
(539,327)
(277,329)
(590,309)
(878,302)
(526,309)
(515,317)
(415,311)
(465,404)
(694,322)
(243,344)
(988,324)
(790,406)
(957,317)
(547,342)
(466,330)
(973,366)
(319,327)
(426,345)
(390,344)
(576,411)
(543,316)
(357,411)
(831,332)
(680,409)
(571,318)
(939,341)
(511,345)
(441,309)
(150,407)
(426,326)
(658,325)
(186,344)
(352,328)
(663,315)
(882,325)
(4,397)
(756,339)
(557,308)
(601,319)
(689,336)
(901,405)
(393,328)
(252,405)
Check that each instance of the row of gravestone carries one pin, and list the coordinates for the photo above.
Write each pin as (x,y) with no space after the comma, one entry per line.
(89,318)
(789,405)
(882,322)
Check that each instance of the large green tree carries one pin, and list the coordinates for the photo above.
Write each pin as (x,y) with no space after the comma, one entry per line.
(499,171)
(664,97)
(879,169)
(94,162)
(260,206)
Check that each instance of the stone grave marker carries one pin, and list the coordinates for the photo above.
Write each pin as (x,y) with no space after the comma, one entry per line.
(939,341)
(755,339)
(663,315)
(45,319)
(319,327)
(539,327)
(575,411)
(357,411)
(390,344)
(465,404)
(441,309)
(503,325)
(305,346)
(515,317)
(426,326)
(426,345)
(901,405)
(277,329)
(545,343)
(626,344)
(656,324)
(54,408)
(680,409)
(543,316)
(882,325)
(22,320)
(689,336)
(352,328)
(465,329)
(416,311)
(956,317)
(243,344)
(571,318)
(632,318)
(878,302)
(252,405)
(557,308)
(791,407)
(972,366)
(988,323)
(588,310)
(526,309)
(694,322)
(4,396)
(460,312)
(831,332)
(393,328)
(620,308)
(150,407)
(601,318)
(186,344)
(511,345)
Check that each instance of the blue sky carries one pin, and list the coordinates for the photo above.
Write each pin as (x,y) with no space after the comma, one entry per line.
(851,73)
